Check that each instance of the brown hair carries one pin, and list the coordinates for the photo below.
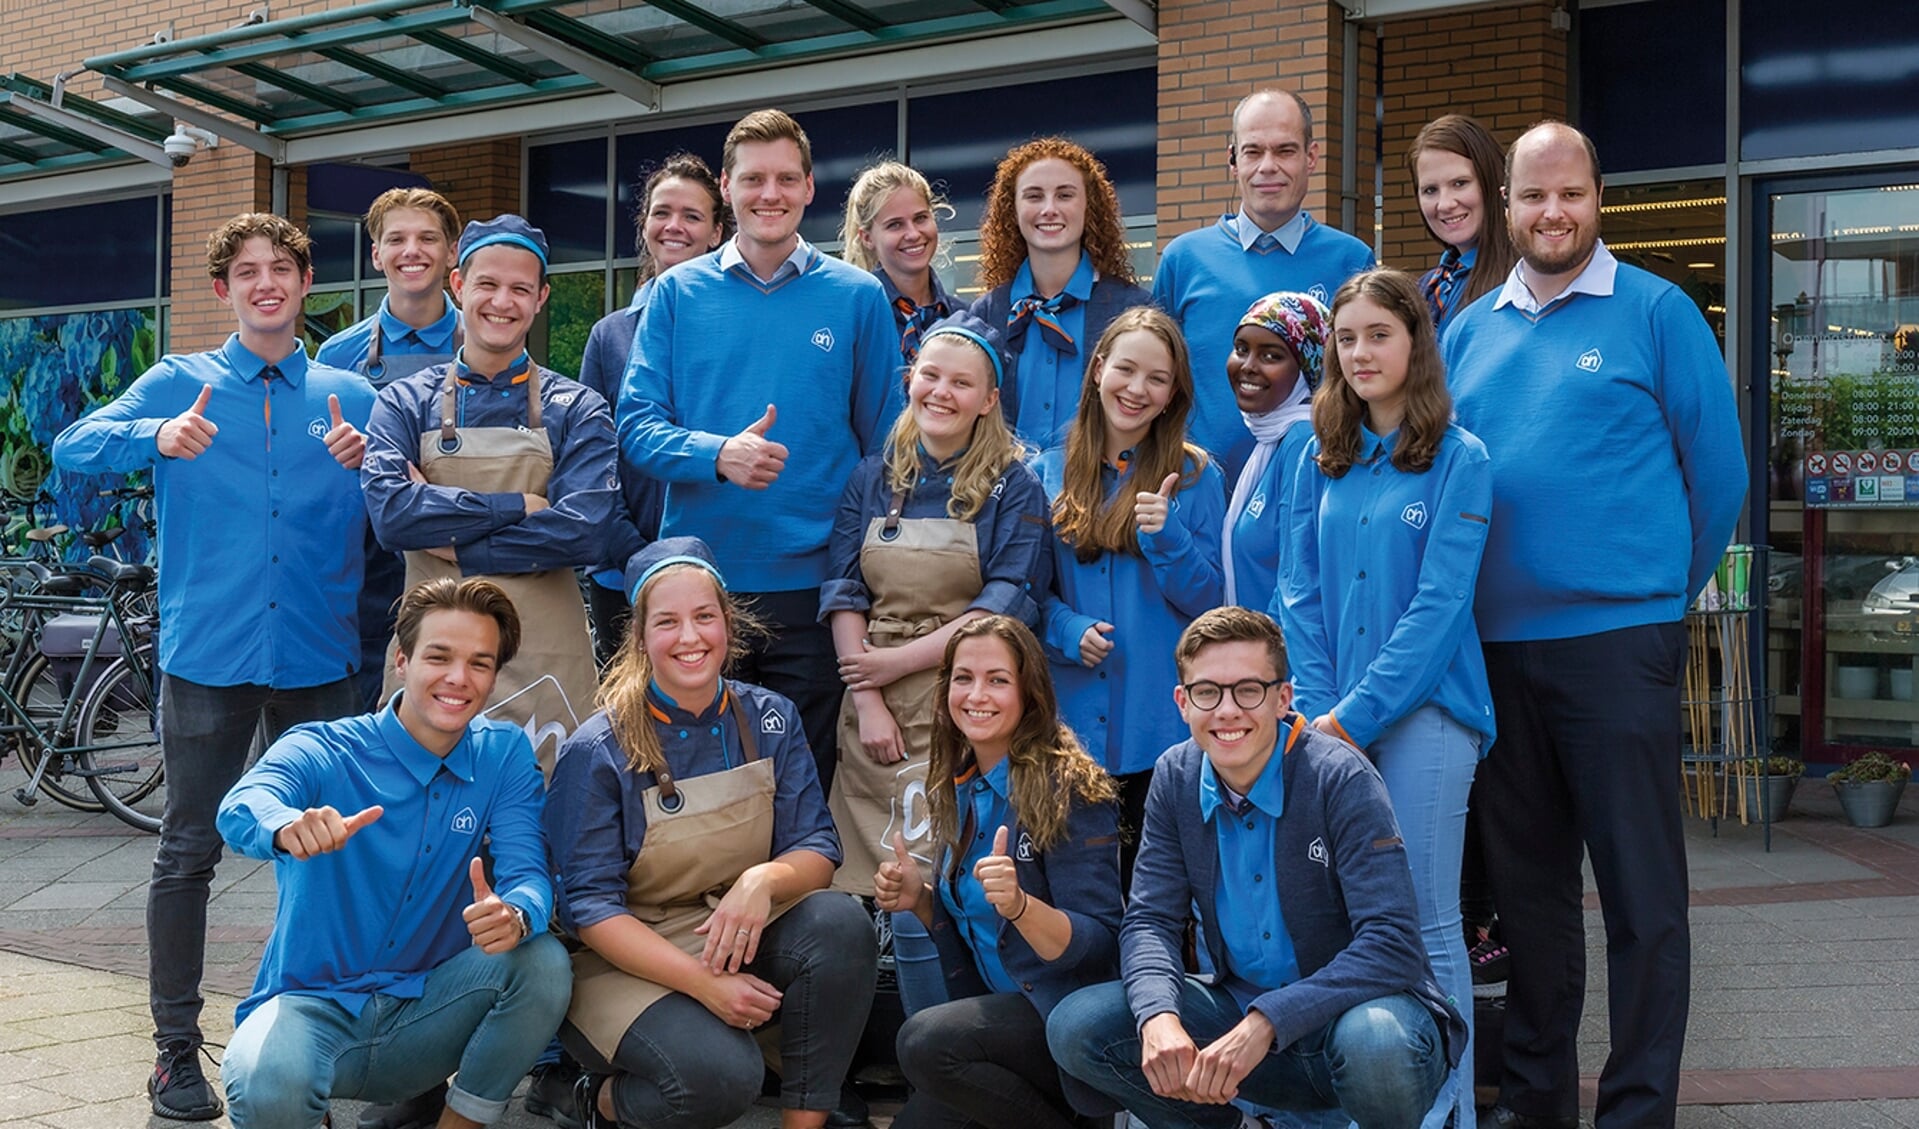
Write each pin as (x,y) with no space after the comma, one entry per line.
(1337,409)
(1001,246)
(1083,516)
(1465,137)
(762,126)
(474,594)
(419,199)
(229,237)
(871,190)
(678,166)
(1231,624)
(623,690)
(1049,768)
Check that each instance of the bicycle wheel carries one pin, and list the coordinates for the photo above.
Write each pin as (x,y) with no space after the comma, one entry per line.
(40,694)
(120,757)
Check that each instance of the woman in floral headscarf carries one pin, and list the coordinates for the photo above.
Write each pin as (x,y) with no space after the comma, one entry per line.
(1274,367)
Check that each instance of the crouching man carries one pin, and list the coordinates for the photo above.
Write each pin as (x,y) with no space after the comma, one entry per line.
(1280,841)
(394,962)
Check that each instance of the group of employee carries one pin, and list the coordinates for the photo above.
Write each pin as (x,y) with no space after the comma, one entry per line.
(936,660)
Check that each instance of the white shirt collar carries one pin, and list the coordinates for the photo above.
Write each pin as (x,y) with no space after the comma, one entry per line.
(1289,233)
(795,263)
(1596,280)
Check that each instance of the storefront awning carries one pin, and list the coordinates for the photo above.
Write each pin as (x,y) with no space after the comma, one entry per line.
(41,132)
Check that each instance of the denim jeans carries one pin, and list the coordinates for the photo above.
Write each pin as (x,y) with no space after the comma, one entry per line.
(1383,1061)
(680,1067)
(482,1019)
(205,733)
(916,964)
(981,1063)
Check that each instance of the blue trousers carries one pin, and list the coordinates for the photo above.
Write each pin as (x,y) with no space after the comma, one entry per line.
(482,1019)
(1383,1061)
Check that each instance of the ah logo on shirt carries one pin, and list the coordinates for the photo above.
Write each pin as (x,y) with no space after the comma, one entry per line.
(824,339)
(1257,506)
(1414,515)
(318,428)
(1319,291)
(772,722)
(466,823)
(1316,852)
(563,399)
(1025,852)
(999,488)
(1589,361)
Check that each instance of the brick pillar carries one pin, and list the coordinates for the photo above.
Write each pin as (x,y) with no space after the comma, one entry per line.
(221,183)
(1212,53)
(1505,66)
(481,179)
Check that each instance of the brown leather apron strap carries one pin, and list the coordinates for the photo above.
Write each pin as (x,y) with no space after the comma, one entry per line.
(449,408)
(749,751)
(891,527)
(532,396)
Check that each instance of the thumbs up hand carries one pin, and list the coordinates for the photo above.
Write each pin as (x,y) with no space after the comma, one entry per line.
(318,831)
(189,434)
(999,879)
(494,924)
(1150,509)
(898,884)
(750,460)
(343,441)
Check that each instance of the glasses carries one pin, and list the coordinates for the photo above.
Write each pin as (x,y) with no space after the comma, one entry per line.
(1248,693)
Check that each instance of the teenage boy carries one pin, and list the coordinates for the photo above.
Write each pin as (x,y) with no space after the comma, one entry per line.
(449,973)
(412,231)
(1208,277)
(517,480)
(1279,842)
(764,349)
(261,527)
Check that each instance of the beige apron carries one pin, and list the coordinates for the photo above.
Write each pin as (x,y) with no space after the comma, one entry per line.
(701,835)
(922,573)
(548,688)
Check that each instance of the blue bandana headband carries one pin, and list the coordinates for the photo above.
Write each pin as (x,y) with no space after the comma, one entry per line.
(633,593)
(992,354)
(510,237)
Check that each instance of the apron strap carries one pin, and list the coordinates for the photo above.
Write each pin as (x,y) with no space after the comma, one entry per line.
(749,750)
(449,403)
(894,508)
(373,366)
(532,396)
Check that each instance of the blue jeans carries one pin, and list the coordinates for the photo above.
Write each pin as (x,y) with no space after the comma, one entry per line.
(916,964)
(483,1019)
(1383,1061)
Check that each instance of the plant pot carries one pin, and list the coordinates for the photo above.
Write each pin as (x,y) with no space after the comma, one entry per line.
(1777,796)
(1870,803)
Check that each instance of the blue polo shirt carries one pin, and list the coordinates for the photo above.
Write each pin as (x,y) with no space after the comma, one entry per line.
(1252,923)
(384,910)
(1048,380)
(348,348)
(262,537)
(985,809)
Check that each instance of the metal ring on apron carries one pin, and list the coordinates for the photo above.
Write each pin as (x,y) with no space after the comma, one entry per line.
(449,446)
(890,530)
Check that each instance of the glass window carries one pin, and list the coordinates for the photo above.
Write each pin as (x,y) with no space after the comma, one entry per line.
(327,313)
(1678,232)
(559,334)
(336,243)
(636,155)
(81,255)
(1683,43)
(566,198)
(349,190)
(844,141)
(1843,79)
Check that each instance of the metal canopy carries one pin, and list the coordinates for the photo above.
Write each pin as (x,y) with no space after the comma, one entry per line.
(388,59)
(39,134)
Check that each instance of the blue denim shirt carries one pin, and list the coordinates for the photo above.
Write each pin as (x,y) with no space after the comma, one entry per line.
(1252,922)
(961,893)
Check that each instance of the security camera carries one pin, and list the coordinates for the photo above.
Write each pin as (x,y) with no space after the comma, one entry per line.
(185,141)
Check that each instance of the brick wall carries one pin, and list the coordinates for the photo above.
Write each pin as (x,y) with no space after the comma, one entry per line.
(220,184)
(481,179)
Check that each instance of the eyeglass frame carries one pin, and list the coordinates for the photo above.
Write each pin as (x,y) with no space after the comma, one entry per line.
(1265,687)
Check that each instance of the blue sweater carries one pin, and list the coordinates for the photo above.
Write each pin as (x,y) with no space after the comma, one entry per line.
(1377,592)
(1617,469)
(715,347)
(637,521)
(1119,708)
(1340,873)
(1206,281)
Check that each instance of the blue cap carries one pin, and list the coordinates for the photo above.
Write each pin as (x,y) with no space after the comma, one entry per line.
(502,229)
(668,551)
(974,329)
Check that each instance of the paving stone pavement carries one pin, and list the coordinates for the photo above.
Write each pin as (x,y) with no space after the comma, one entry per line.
(1804,1013)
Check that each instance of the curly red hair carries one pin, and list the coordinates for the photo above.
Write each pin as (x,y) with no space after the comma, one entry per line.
(1001,246)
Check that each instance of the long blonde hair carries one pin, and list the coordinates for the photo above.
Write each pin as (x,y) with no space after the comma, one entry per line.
(1049,768)
(991,450)
(870,192)
(622,692)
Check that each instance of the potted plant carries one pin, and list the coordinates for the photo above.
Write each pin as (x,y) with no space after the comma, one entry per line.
(1869,789)
(1772,780)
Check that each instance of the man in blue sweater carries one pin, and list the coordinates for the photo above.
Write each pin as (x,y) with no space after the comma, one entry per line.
(1603,401)
(1208,277)
(1280,842)
(765,352)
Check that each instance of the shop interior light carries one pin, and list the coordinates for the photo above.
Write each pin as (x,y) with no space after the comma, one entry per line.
(1661,205)
(1668,244)
(1700,266)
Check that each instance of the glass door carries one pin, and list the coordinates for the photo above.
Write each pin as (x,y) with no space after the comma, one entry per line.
(1841,291)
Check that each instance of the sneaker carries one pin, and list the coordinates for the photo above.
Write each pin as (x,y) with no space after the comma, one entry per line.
(1490,961)
(549,1094)
(420,1112)
(179,1087)
(586,1101)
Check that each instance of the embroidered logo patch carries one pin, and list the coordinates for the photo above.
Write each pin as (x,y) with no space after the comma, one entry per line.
(1316,852)
(1319,291)
(565,398)
(824,339)
(1025,852)
(1590,360)
(318,428)
(1257,506)
(999,488)
(772,722)
(1414,515)
(466,823)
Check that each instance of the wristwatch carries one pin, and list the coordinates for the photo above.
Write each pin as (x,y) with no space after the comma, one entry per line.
(526,923)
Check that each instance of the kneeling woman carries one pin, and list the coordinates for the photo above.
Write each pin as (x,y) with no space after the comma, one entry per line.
(1025,904)
(692,848)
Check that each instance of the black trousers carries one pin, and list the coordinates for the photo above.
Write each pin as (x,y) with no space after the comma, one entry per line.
(981,1063)
(798,660)
(1588,756)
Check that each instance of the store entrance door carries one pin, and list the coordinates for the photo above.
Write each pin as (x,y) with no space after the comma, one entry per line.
(1841,291)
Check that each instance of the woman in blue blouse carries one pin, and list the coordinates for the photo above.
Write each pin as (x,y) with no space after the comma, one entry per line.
(692,850)
(1025,899)
(1387,516)
(1457,171)
(892,228)
(1137,514)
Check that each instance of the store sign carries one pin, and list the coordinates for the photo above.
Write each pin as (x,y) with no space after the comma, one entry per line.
(1848,402)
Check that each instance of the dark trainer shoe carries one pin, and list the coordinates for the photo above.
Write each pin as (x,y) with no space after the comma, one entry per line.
(550,1094)
(179,1087)
(586,1100)
(422,1112)
(1499,1117)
